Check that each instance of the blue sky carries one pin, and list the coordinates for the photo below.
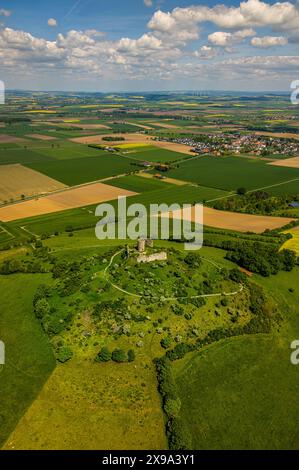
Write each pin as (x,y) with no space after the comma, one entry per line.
(99,45)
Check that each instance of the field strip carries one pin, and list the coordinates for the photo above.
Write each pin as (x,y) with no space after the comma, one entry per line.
(132,138)
(33,147)
(236,221)
(218,294)
(174,181)
(41,137)
(142,126)
(64,189)
(164,125)
(292,162)
(94,193)
(280,135)
(17,180)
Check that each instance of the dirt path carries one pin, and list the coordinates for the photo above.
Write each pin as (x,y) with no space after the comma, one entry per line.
(217,294)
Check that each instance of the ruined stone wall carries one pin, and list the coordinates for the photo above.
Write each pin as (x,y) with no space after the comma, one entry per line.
(162,256)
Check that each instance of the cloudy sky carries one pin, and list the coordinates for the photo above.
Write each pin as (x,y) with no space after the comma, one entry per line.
(140,45)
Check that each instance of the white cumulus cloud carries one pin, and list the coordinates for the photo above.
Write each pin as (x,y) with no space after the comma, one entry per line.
(282,16)
(225,39)
(163,51)
(269,41)
(52,22)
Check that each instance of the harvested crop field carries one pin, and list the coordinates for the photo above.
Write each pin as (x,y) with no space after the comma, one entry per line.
(181,148)
(136,124)
(17,180)
(10,139)
(242,222)
(236,221)
(165,179)
(281,135)
(164,125)
(98,139)
(40,137)
(132,138)
(288,162)
(86,126)
(70,198)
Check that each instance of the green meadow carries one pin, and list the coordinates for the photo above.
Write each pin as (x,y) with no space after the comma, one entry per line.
(241,393)
(139,184)
(230,173)
(154,154)
(29,356)
(82,170)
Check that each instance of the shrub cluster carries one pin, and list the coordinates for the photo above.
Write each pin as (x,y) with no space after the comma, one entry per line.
(14,266)
(117,355)
(263,260)
(178,435)
(52,321)
(258,202)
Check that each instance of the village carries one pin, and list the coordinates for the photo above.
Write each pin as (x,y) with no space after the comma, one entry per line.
(224,143)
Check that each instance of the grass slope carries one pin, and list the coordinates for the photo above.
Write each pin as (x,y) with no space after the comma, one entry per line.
(242,393)
(101,406)
(29,357)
